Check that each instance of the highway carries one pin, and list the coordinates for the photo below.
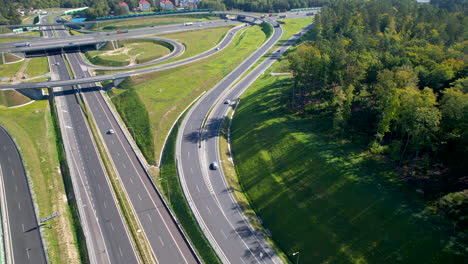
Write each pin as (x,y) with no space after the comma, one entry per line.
(107,237)
(166,240)
(101,37)
(22,234)
(216,210)
(121,75)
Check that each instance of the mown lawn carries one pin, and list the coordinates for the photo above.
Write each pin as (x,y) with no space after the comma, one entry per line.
(323,196)
(167,93)
(31,127)
(37,66)
(198,41)
(8,70)
(141,50)
(151,21)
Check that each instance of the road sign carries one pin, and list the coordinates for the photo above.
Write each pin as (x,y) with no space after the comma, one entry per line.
(49,217)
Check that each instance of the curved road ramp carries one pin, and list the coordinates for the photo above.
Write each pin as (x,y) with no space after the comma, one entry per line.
(22,236)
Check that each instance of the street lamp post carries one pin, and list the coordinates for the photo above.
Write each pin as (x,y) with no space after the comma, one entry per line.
(297,259)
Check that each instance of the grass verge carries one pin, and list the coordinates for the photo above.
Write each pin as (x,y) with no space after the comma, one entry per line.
(152,21)
(32,128)
(37,66)
(323,196)
(169,184)
(139,239)
(166,93)
(232,179)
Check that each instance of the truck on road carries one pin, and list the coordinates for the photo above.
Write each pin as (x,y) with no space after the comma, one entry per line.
(24,44)
(122,31)
(188,24)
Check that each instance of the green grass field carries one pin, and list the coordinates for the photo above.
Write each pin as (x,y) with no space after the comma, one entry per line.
(136,51)
(151,21)
(167,93)
(37,66)
(8,39)
(8,70)
(198,41)
(323,196)
(31,127)
(11,98)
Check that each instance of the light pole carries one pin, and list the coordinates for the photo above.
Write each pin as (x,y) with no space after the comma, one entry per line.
(294,254)
(167,186)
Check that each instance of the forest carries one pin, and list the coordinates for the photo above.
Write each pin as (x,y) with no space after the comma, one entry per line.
(392,75)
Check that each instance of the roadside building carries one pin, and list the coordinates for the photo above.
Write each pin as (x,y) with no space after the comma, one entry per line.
(125,6)
(144,6)
(166,5)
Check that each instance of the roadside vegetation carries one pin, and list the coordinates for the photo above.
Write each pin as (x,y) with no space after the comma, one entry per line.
(152,21)
(169,184)
(166,93)
(128,52)
(31,127)
(12,98)
(361,149)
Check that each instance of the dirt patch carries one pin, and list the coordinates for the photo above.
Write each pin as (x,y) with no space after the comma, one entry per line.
(21,73)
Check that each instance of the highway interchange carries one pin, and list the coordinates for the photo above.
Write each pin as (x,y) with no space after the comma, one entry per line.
(216,211)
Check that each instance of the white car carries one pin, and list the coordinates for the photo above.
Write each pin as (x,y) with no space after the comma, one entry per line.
(214,165)
(111,131)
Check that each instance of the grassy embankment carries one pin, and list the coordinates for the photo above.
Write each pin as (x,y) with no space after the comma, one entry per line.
(323,196)
(166,93)
(195,42)
(129,52)
(32,128)
(151,21)
(165,106)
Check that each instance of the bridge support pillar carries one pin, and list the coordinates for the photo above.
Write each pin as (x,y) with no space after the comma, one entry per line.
(100,45)
(34,94)
(117,82)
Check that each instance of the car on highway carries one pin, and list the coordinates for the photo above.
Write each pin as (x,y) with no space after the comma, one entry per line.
(214,165)
(111,131)
(228,102)
(217,48)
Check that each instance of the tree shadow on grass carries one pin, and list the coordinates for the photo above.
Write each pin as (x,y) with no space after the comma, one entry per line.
(345,196)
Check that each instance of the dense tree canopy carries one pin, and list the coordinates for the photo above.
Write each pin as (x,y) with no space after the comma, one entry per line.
(393,72)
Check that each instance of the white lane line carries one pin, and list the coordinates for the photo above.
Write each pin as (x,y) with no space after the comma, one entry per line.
(19,206)
(191,170)
(22,225)
(188,154)
(224,234)
(123,164)
(131,180)
(209,211)
(242,260)
(112,226)
(105,206)
(120,251)
(198,189)
(118,154)
(99,186)
(149,217)
(162,242)
(139,197)
(112,141)
(27,252)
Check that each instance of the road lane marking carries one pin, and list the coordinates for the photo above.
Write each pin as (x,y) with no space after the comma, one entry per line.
(120,251)
(112,226)
(198,189)
(209,211)
(162,242)
(222,232)
(149,217)
(105,206)
(19,206)
(139,197)
(131,180)
(191,170)
(123,164)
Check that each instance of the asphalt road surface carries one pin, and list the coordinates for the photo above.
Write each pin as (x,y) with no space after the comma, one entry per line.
(107,238)
(81,79)
(25,241)
(208,193)
(162,232)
